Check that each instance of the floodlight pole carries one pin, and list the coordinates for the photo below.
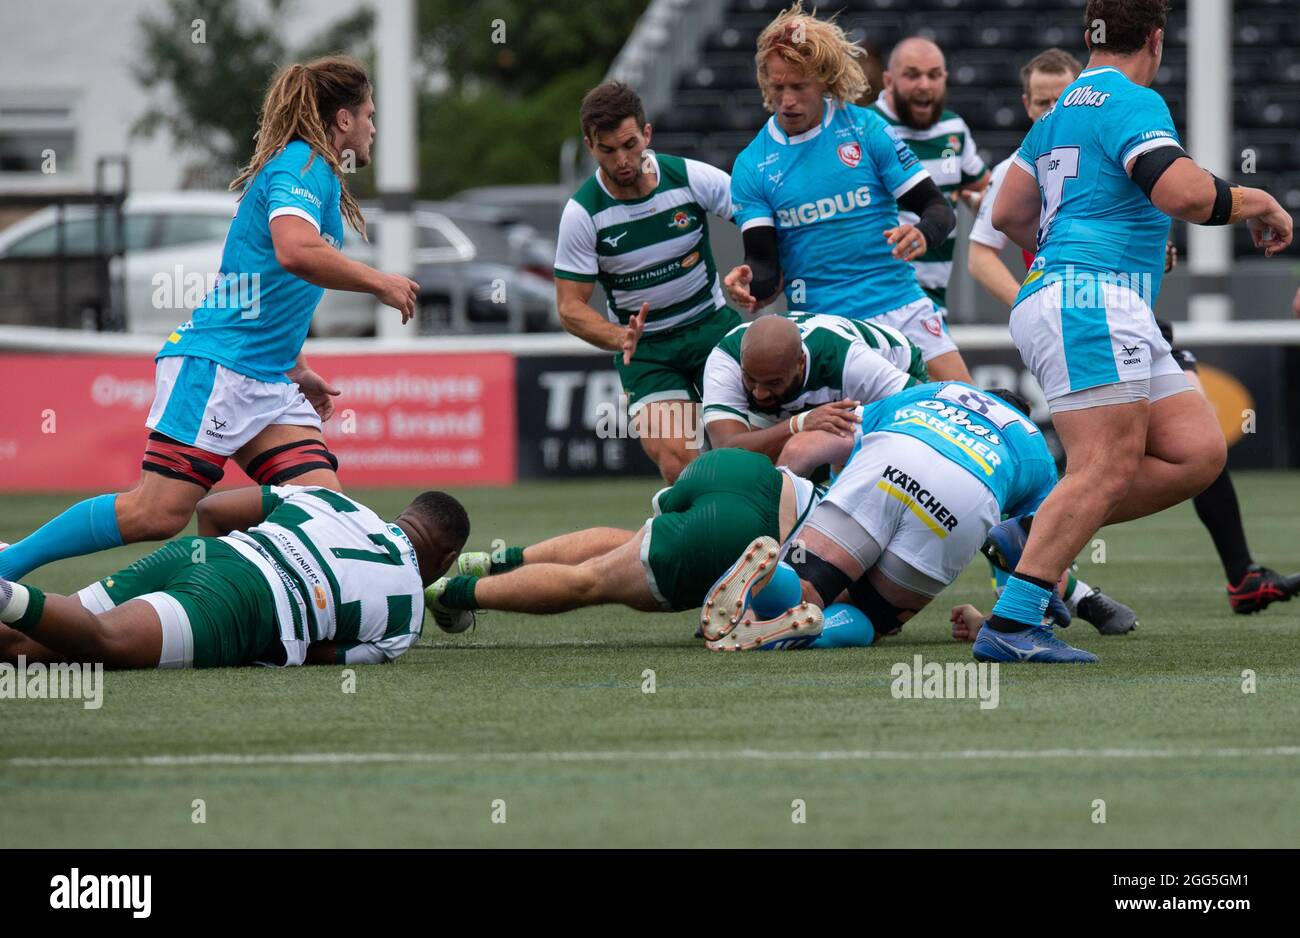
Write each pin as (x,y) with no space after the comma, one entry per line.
(395,165)
(1209,132)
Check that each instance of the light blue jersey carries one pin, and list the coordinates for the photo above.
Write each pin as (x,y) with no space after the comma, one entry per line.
(1095,221)
(830,192)
(978,431)
(255,320)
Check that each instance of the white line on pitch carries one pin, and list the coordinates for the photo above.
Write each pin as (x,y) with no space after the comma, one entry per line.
(631,755)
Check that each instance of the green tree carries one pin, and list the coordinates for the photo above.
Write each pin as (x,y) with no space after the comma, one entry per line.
(503,111)
(545,40)
(217,84)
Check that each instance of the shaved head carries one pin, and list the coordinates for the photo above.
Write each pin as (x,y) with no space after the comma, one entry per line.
(916,50)
(771,362)
(917,82)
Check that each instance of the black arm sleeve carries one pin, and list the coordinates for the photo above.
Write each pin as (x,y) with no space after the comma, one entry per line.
(1151,165)
(764,259)
(937,219)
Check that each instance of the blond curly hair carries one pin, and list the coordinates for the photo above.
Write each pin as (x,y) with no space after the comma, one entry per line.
(818,48)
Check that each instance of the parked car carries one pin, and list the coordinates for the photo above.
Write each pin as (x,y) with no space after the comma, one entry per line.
(537,205)
(162,232)
(482,271)
(510,281)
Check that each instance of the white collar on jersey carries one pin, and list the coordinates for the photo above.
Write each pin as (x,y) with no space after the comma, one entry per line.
(829,107)
(882,102)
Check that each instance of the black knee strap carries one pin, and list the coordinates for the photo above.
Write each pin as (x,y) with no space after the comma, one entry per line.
(883,614)
(826,578)
(279,464)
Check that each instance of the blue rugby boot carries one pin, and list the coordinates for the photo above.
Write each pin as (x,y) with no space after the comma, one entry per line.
(1034,644)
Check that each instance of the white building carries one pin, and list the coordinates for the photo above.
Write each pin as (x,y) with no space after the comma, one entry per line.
(66,86)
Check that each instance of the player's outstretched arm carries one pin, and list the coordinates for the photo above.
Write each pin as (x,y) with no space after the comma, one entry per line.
(236,510)
(808,451)
(757,281)
(1016,211)
(736,434)
(301,251)
(966,622)
(1181,189)
(579,318)
(128,636)
(989,272)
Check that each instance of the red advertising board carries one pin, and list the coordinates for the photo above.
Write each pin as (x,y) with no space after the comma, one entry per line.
(77,421)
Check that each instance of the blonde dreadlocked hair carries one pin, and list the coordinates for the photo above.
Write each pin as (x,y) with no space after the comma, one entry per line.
(818,48)
(300,105)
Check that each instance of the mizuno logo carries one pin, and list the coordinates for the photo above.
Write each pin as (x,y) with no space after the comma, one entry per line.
(1024,654)
(613,241)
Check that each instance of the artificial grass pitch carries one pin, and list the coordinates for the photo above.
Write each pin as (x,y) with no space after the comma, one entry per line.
(533,731)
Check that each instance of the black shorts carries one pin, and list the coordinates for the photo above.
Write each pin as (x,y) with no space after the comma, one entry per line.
(1186,360)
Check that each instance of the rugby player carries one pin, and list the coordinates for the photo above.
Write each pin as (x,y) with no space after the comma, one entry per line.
(1091,191)
(639,227)
(1251,587)
(772,379)
(722,501)
(934,469)
(914,104)
(818,192)
(232,383)
(316,578)
(1044,78)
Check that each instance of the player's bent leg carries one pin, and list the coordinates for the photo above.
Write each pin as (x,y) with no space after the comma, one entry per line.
(287,454)
(1185,452)
(671,433)
(174,478)
(572,548)
(949,366)
(544,588)
(14,645)
(130,636)
(1104,448)
(578,547)
(158,508)
(825,567)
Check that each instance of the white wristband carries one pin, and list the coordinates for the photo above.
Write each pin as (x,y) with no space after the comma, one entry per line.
(793,428)
(802,417)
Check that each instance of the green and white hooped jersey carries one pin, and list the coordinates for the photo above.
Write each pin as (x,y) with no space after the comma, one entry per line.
(338,572)
(949,154)
(653,250)
(844,359)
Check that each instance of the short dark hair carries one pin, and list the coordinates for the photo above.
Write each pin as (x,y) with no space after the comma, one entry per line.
(607,105)
(445,515)
(1052,62)
(1018,401)
(1127,23)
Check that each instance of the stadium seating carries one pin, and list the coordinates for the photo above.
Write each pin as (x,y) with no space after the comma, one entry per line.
(717,107)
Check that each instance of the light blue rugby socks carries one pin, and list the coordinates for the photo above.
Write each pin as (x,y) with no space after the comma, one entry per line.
(84,528)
